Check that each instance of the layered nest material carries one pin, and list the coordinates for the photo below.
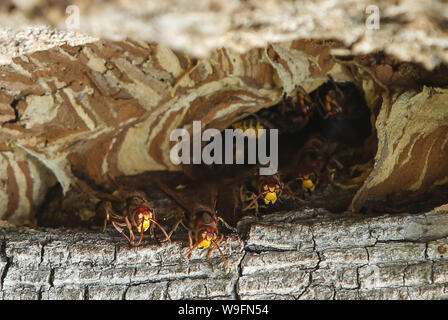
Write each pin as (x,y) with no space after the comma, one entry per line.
(92,117)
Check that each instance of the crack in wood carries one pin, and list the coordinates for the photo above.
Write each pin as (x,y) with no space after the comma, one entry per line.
(313,272)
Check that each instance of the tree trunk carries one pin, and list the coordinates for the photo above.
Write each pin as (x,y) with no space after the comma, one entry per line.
(407,29)
(79,110)
(308,254)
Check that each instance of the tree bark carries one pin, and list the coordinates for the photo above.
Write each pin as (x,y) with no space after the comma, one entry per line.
(96,110)
(408,29)
(308,254)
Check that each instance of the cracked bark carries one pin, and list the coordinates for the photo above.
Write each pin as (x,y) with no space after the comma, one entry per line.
(308,254)
(407,28)
(297,255)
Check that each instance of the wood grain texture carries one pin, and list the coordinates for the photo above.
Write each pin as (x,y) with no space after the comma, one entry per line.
(309,254)
(410,30)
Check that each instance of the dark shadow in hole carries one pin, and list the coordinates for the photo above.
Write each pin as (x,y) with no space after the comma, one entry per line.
(355,145)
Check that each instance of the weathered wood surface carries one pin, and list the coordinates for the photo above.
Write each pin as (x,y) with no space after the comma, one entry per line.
(309,254)
(411,30)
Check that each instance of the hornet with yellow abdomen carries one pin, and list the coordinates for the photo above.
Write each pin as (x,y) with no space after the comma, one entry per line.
(308,181)
(270,190)
(137,212)
(201,222)
(249,124)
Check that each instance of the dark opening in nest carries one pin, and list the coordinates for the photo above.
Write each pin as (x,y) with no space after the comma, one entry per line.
(326,150)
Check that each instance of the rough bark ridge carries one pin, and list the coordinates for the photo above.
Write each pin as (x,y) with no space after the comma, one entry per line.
(407,27)
(309,254)
(106,109)
(25,40)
